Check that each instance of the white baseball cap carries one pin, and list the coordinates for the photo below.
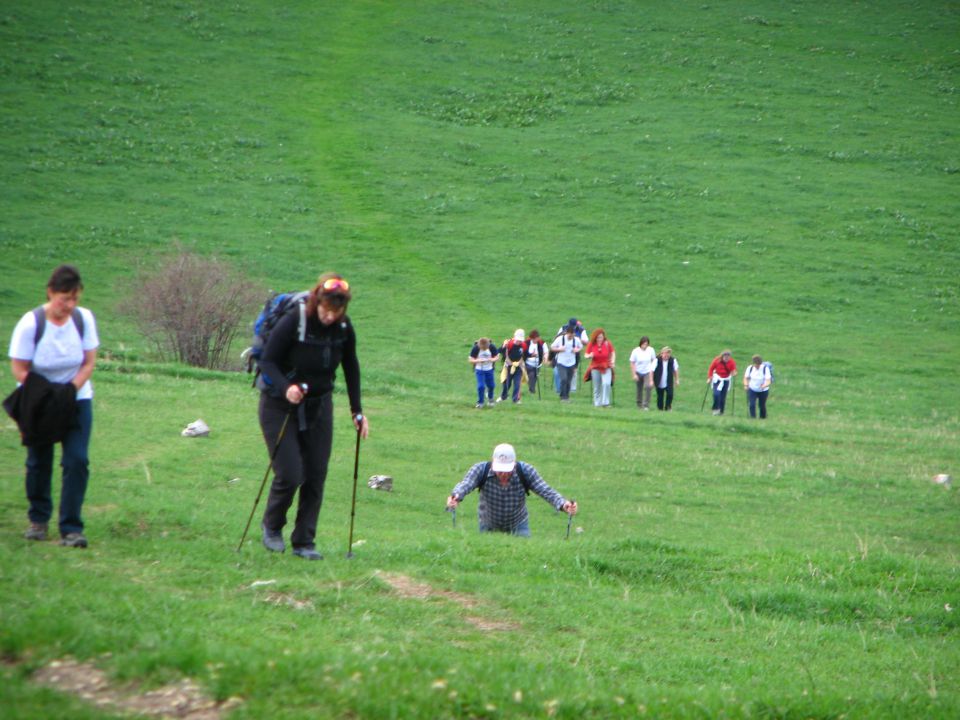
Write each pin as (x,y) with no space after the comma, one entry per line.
(518,335)
(504,458)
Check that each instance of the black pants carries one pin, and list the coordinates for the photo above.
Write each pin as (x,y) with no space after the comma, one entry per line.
(300,464)
(665,397)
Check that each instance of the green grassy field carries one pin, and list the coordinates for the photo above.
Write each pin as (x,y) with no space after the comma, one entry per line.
(774,177)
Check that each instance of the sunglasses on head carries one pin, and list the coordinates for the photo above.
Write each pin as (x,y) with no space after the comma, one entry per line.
(334,285)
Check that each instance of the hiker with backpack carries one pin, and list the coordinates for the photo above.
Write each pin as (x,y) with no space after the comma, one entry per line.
(720,375)
(52,354)
(535,356)
(756,381)
(566,349)
(300,356)
(483,356)
(514,371)
(504,484)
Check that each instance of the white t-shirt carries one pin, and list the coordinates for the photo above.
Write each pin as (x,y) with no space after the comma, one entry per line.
(565,350)
(484,356)
(756,377)
(643,360)
(59,354)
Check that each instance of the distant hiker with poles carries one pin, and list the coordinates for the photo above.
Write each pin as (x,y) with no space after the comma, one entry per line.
(756,381)
(666,376)
(305,347)
(603,359)
(504,484)
(566,348)
(53,351)
(513,372)
(483,356)
(642,361)
(720,375)
(535,356)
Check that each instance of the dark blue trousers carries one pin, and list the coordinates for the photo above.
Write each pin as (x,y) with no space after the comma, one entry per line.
(74,461)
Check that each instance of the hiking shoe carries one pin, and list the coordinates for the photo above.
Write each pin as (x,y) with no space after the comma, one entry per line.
(76,540)
(307,553)
(36,531)
(273,540)
(478,406)
(500,400)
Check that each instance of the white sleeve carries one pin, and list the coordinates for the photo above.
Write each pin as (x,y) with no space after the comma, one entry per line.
(22,346)
(91,341)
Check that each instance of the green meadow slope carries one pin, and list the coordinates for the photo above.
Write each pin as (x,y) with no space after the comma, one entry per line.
(774,177)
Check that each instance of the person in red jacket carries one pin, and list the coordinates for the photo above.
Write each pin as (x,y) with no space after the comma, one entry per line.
(602,359)
(720,374)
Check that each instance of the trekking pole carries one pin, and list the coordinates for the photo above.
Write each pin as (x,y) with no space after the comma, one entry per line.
(537,383)
(353,503)
(733,398)
(453,512)
(704,403)
(273,455)
(569,521)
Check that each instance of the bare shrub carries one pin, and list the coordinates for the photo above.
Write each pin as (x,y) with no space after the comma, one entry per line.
(191,307)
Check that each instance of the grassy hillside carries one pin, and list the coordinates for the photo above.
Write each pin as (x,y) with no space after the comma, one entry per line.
(774,177)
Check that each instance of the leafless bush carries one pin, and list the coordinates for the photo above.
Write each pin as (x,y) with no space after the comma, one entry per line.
(192,307)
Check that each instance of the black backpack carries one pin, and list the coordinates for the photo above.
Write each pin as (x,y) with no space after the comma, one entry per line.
(523,477)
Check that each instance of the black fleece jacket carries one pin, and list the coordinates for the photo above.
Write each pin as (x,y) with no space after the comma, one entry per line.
(287,361)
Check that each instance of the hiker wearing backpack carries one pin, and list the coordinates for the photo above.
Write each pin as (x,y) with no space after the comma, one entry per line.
(535,356)
(566,349)
(483,355)
(720,375)
(756,381)
(53,352)
(303,349)
(504,485)
(513,371)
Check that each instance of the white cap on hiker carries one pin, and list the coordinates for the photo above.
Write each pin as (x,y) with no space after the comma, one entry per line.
(504,458)
(518,335)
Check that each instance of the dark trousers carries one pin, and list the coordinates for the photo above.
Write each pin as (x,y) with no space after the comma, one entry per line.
(300,464)
(566,378)
(75,462)
(532,373)
(665,397)
(754,397)
(720,389)
(515,378)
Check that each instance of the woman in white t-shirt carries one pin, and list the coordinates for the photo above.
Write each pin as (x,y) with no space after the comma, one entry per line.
(59,341)
(642,361)
(757,381)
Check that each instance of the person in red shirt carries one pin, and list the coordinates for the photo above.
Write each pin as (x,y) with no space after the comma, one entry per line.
(602,359)
(720,374)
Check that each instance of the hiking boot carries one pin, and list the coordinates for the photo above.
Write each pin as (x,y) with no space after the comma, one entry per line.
(273,540)
(307,553)
(478,406)
(74,539)
(36,531)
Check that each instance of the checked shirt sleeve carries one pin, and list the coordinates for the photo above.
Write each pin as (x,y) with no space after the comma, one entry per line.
(540,487)
(469,483)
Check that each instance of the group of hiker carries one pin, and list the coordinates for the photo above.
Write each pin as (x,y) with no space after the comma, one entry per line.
(301,339)
(524,359)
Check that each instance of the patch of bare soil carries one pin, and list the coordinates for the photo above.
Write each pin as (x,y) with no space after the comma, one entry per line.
(407,587)
(183,699)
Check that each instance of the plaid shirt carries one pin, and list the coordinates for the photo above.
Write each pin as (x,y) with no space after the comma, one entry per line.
(505,507)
